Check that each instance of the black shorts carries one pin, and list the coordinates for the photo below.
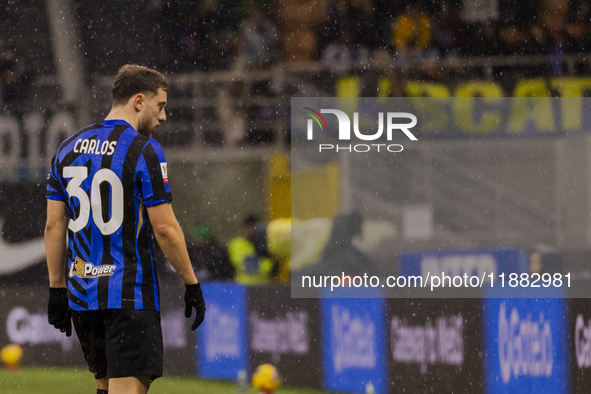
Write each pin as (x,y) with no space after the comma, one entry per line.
(120,343)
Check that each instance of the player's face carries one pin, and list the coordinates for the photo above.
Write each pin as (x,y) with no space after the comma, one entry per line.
(153,113)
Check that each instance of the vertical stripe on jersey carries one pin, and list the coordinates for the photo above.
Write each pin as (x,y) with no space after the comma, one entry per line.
(155,172)
(155,278)
(130,257)
(145,241)
(145,276)
(107,256)
(139,302)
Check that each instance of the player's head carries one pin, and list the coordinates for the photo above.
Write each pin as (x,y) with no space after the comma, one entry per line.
(144,89)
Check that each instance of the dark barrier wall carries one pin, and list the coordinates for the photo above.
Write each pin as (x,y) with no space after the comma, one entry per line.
(435,345)
(22,220)
(23,320)
(285,332)
(179,341)
(579,344)
(579,322)
(495,345)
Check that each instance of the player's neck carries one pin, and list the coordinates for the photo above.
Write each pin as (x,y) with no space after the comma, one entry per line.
(123,113)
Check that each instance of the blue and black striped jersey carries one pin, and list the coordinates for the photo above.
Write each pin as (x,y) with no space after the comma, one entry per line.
(107,174)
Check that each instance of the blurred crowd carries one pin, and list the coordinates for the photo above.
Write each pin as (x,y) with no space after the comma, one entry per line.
(341,35)
(350,35)
(337,36)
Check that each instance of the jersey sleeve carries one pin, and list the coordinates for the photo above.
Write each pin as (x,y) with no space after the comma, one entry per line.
(54,190)
(152,172)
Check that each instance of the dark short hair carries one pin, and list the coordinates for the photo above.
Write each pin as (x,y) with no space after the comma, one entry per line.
(132,79)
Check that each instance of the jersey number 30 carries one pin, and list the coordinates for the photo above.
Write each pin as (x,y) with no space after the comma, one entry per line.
(94,203)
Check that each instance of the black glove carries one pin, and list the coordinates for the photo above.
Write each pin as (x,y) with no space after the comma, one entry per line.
(58,313)
(194,299)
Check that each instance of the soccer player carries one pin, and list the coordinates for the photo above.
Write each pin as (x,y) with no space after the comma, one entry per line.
(108,196)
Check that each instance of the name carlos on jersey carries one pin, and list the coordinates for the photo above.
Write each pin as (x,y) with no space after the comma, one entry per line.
(94,146)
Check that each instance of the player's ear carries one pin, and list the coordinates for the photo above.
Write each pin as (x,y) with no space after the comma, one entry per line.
(139,101)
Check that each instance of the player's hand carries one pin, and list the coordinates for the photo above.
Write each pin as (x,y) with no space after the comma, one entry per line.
(194,299)
(58,313)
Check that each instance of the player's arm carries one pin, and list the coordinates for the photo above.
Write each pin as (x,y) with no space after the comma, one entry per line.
(171,239)
(56,226)
(55,242)
(153,172)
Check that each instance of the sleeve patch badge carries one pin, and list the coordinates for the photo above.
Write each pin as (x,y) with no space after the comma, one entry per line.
(164,170)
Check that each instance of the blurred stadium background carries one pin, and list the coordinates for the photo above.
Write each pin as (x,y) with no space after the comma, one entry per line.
(234,65)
